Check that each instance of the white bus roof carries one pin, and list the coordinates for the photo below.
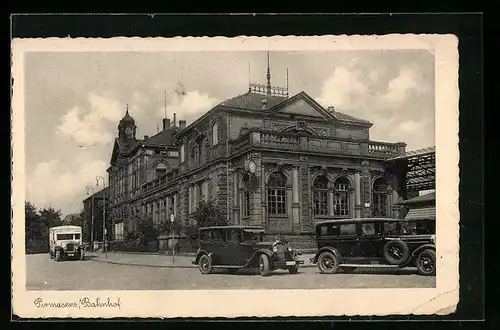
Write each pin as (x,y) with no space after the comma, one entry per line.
(61,228)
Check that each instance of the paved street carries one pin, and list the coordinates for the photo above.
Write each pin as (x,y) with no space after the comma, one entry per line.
(44,273)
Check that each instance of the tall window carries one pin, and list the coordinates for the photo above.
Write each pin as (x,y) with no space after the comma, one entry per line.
(195,156)
(320,187)
(245,195)
(379,197)
(341,197)
(161,170)
(276,198)
(182,154)
(215,134)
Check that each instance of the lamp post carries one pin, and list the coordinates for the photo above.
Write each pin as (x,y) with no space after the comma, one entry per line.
(173,238)
(103,213)
(92,227)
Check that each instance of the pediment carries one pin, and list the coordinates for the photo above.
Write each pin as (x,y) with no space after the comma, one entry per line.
(302,104)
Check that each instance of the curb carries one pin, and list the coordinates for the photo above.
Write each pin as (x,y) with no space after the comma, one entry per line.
(164,266)
(142,265)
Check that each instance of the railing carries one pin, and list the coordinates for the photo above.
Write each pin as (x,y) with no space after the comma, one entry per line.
(296,142)
(382,148)
(152,185)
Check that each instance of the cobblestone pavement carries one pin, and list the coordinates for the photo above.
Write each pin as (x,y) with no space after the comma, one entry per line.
(44,273)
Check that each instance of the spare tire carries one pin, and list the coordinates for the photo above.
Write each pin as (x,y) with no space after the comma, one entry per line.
(396,252)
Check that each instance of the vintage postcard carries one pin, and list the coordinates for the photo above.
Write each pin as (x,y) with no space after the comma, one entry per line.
(228,177)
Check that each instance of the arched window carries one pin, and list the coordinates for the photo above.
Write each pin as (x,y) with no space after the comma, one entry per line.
(161,170)
(182,154)
(215,134)
(276,198)
(245,195)
(341,197)
(320,188)
(379,197)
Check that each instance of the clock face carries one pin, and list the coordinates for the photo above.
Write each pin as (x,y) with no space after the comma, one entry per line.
(128,131)
(252,166)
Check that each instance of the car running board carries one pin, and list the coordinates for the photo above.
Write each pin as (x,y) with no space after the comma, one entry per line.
(370,266)
(221,266)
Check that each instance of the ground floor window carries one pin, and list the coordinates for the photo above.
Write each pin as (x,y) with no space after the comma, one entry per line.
(119,231)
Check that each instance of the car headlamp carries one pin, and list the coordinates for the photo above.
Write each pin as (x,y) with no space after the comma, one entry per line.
(275,248)
(433,238)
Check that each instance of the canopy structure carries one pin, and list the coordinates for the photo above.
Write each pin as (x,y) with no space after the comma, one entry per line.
(421,168)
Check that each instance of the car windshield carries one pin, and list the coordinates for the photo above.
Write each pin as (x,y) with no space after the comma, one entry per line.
(64,237)
(253,236)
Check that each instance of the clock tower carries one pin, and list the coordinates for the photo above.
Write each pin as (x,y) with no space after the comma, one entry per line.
(127,128)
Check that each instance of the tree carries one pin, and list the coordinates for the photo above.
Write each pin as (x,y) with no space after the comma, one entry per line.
(206,215)
(37,224)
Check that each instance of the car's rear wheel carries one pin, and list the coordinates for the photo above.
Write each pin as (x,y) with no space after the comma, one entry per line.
(293,269)
(58,255)
(264,265)
(328,263)
(396,252)
(426,263)
(205,264)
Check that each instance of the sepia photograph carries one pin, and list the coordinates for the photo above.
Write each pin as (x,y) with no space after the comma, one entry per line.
(231,170)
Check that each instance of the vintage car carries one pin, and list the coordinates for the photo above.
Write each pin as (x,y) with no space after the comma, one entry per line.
(238,247)
(66,242)
(375,242)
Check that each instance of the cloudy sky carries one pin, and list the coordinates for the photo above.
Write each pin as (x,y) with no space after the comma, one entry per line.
(73,101)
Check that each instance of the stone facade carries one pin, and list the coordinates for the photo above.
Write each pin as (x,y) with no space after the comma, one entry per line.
(309,164)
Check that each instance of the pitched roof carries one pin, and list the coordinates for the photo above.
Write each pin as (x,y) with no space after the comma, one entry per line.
(430,197)
(253,101)
(165,137)
(348,118)
(422,213)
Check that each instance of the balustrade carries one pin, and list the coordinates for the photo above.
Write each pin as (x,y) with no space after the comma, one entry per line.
(288,141)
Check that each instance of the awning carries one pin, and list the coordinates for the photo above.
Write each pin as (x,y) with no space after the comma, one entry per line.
(421,213)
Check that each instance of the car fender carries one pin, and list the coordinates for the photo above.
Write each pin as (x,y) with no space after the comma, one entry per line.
(256,256)
(329,249)
(57,247)
(416,252)
(200,253)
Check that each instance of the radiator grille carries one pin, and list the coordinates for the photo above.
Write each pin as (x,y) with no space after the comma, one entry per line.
(70,247)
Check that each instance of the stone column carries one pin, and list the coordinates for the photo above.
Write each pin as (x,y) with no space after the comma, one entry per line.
(357,194)
(237,206)
(174,208)
(352,202)
(295,199)
(331,210)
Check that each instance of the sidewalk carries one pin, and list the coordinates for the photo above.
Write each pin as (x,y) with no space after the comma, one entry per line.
(159,260)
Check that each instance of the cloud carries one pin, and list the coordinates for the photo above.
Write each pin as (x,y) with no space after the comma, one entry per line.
(56,182)
(95,124)
(190,105)
(392,103)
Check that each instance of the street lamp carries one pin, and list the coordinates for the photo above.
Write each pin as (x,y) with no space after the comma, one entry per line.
(103,213)
(91,228)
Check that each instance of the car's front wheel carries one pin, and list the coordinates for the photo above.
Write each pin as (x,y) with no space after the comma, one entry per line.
(293,269)
(426,263)
(58,255)
(205,264)
(328,262)
(264,265)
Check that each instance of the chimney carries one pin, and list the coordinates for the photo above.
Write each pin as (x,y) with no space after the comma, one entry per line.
(331,109)
(166,123)
(175,122)
(146,137)
(182,124)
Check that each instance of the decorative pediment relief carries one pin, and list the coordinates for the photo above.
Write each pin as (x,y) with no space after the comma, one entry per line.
(301,107)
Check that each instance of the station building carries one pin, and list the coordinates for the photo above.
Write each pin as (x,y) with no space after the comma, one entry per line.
(266,158)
